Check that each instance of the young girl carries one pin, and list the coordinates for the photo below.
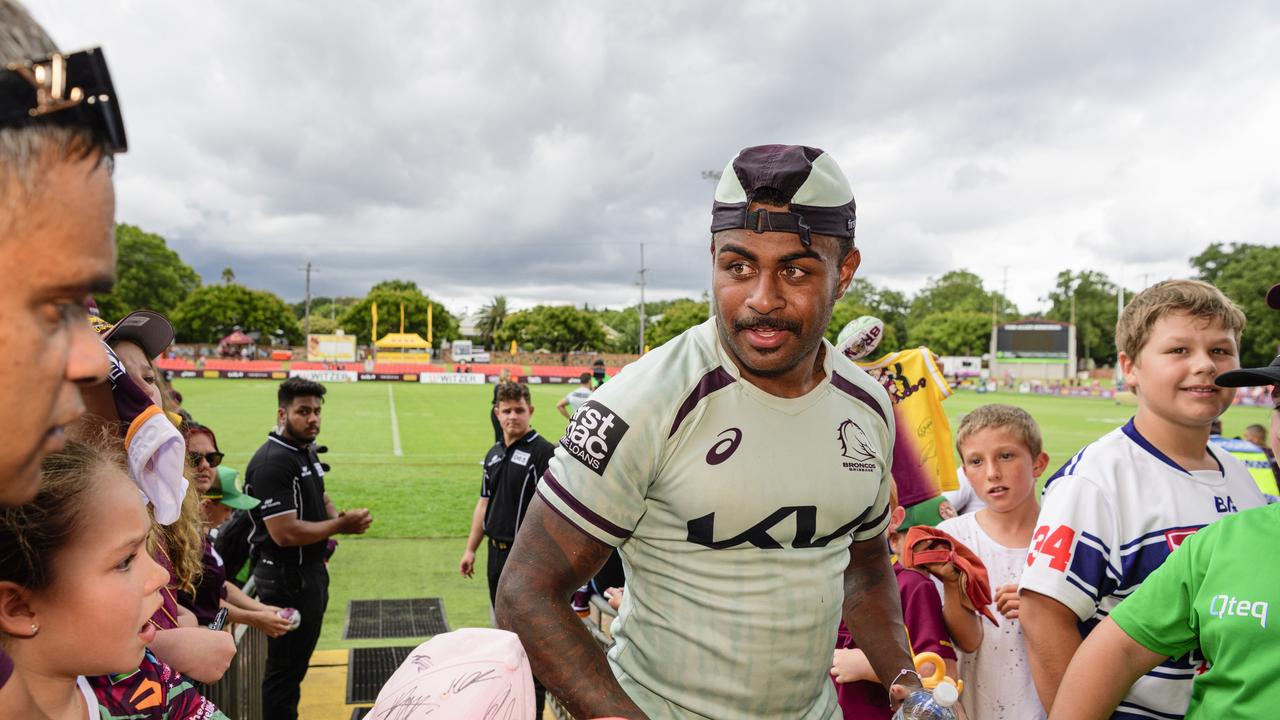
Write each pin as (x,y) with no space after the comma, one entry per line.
(1002,455)
(77,589)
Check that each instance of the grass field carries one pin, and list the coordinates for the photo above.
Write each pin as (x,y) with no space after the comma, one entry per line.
(422,499)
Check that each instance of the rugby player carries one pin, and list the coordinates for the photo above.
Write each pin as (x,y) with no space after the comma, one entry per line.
(742,470)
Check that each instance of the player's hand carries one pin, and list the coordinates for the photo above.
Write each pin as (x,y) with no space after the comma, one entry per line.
(851,666)
(1008,601)
(614,596)
(467,565)
(356,521)
(945,510)
(269,623)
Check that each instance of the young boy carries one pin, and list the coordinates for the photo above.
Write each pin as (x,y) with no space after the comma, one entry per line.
(1116,510)
(860,692)
(1002,454)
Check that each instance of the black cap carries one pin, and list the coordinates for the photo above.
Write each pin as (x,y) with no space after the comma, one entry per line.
(1251,377)
(1273,297)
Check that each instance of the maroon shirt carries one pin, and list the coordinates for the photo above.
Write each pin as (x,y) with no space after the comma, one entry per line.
(211,590)
(922,614)
(166,617)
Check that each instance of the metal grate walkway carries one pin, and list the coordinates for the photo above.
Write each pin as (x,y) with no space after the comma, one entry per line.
(412,617)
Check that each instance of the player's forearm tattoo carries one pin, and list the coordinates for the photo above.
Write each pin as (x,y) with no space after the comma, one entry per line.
(873,611)
(548,561)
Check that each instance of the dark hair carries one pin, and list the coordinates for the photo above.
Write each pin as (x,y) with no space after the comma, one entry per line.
(32,535)
(195,428)
(584,378)
(296,387)
(512,392)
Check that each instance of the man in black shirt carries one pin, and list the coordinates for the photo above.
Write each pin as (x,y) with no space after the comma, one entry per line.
(512,468)
(291,527)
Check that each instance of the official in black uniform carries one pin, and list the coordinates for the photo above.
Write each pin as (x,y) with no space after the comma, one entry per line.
(290,529)
(512,469)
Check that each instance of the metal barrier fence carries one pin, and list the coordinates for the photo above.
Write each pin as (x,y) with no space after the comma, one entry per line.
(598,622)
(239,693)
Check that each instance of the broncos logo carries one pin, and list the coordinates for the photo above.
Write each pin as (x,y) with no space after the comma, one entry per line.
(854,443)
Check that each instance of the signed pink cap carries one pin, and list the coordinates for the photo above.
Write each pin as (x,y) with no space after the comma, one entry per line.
(468,673)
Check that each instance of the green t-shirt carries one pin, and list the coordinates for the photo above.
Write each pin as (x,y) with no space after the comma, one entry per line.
(1214,593)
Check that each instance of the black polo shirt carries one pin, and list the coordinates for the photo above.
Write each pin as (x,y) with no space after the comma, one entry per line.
(287,479)
(511,475)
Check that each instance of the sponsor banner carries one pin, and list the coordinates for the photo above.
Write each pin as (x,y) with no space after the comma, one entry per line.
(232,374)
(325,375)
(331,348)
(389,377)
(452,378)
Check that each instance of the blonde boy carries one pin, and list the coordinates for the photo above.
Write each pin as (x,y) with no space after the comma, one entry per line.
(1117,509)
(1001,454)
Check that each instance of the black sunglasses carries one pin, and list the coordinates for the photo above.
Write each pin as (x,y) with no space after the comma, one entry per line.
(65,90)
(213,458)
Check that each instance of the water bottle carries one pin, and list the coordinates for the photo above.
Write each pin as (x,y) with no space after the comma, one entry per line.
(923,705)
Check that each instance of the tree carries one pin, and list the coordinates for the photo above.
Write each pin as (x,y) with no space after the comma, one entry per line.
(1244,273)
(558,328)
(228,276)
(959,290)
(624,322)
(1095,312)
(389,295)
(148,275)
(678,317)
(211,312)
(491,317)
(953,332)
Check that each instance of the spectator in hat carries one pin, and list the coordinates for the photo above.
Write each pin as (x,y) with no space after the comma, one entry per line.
(213,592)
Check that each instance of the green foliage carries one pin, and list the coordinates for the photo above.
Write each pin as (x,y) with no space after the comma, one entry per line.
(211,312)
(148,275)
(558,328)
(492,315)
(1244,273)
(389,294)
(953,332)
(959,290)
(1095,312)
(678,317)
(626,323)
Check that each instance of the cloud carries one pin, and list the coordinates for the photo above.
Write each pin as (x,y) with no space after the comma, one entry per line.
(483,148)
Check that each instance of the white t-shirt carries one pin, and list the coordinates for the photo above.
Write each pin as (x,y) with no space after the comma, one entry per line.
(90,700)
(1110,516)
(733,511)
(997,676)
(577,396)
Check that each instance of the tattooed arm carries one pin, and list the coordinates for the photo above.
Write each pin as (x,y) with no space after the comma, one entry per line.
(549,560)
(873,612)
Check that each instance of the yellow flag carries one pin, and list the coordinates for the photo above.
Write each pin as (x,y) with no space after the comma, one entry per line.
(430,306)
(374,310)
(513,347)
(401,318)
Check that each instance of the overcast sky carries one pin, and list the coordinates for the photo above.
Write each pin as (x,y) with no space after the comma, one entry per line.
(527,149)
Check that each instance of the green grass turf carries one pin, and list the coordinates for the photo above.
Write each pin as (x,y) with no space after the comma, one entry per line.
(422,501)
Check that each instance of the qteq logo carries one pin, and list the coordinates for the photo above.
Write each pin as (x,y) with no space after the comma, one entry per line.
(593,434)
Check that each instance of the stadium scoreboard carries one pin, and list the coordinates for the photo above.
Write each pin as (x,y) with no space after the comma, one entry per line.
(1047,341)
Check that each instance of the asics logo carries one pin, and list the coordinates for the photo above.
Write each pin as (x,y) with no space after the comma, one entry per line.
(725,446)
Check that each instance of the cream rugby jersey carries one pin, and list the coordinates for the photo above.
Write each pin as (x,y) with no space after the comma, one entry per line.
(733,510)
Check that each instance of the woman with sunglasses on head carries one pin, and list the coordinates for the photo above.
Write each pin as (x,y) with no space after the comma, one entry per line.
(77,589)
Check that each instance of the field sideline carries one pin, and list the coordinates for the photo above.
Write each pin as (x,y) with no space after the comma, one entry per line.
(422,499)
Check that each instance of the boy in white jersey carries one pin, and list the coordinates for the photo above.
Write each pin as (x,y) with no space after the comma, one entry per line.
(742,470)
(1001,454)
(1116,510)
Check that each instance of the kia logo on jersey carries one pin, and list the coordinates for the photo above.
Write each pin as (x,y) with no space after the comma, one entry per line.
(593,434)
(725,446)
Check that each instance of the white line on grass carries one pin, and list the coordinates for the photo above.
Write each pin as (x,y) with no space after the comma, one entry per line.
(395,425)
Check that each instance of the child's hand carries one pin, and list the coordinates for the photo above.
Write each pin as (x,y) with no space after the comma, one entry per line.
(1007,600)
(946,572)
(851,666)
(945,510)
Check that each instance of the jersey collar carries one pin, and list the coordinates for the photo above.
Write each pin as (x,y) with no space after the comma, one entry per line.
(1131,431)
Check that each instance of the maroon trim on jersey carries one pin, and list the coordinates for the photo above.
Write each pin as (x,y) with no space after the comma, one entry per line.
(858,394)
(717,379)
(587,514)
